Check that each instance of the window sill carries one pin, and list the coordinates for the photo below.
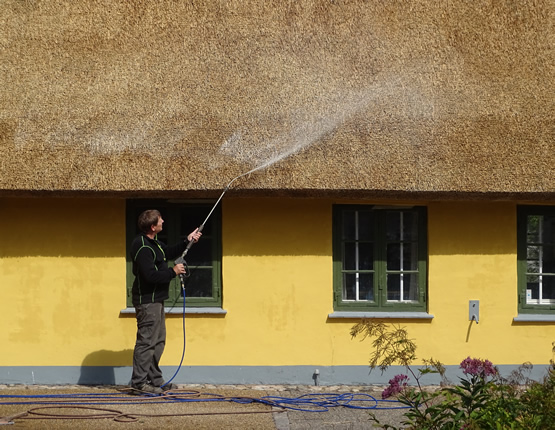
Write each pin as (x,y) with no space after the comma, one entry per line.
(534,318)
(381,315)
(179,311)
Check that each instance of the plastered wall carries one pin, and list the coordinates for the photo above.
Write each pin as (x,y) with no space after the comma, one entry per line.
(62,280)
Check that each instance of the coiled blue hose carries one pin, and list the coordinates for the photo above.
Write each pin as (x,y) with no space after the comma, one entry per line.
(321,402)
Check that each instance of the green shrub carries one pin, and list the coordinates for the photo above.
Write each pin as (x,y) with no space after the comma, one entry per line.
(482,399)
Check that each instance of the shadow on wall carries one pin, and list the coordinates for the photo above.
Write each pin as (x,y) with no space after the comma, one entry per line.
(94,369)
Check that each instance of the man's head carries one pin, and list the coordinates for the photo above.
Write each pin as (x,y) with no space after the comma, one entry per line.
(147,219)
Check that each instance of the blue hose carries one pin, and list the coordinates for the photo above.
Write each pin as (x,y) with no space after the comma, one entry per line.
(184,343)
(322,402)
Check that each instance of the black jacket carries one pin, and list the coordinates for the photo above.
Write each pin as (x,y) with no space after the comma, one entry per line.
(150,267)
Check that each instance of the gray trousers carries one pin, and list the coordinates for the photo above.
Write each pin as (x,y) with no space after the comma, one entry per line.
(150,343)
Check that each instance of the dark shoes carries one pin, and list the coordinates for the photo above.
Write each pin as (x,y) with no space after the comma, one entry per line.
(146,388)
(169,387)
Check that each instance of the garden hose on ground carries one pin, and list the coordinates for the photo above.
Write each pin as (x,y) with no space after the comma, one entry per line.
(92,405)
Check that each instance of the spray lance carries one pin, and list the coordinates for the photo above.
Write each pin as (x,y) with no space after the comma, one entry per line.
(181,259)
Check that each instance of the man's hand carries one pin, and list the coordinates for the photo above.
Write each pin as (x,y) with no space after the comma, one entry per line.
(179,269)
(194,236)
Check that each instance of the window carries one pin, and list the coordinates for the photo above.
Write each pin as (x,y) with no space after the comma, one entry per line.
(379,258)
(203,286)
(536,259)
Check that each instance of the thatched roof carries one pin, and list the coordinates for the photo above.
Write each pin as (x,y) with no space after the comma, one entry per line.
(348,97)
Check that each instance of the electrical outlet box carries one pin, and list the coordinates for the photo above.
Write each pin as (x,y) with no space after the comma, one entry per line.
(474,310)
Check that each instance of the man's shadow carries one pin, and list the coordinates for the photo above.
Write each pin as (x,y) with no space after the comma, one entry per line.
(95,371)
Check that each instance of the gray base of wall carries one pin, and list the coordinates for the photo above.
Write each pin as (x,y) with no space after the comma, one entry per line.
(234,375)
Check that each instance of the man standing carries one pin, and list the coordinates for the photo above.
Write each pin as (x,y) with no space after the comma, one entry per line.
(150,289)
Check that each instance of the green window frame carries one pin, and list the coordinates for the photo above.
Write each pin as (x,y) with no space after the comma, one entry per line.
(536,259)
(203,288)
(379,258)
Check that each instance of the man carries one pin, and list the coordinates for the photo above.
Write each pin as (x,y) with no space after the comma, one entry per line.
(150,289)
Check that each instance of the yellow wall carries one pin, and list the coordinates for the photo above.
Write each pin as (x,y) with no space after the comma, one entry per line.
(62,277)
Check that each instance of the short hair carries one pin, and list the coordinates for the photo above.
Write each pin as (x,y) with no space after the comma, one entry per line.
(147,219)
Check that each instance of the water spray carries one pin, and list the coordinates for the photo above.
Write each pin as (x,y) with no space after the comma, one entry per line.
(311,133)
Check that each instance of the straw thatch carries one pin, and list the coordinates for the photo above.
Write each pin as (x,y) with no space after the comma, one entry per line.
(357,97)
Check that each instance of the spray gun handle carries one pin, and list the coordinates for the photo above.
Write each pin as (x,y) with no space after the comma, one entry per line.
(181,260)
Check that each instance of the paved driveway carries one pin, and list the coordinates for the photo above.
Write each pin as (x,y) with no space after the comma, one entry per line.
(192,407)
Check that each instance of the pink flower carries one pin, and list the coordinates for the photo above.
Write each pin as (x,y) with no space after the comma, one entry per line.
(477,367)
(396,385)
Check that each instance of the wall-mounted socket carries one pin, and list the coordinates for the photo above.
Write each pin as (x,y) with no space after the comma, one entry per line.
(474,310)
